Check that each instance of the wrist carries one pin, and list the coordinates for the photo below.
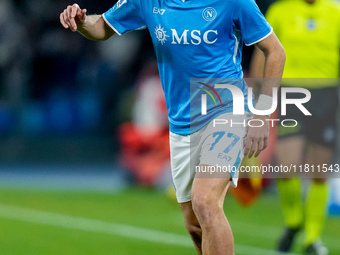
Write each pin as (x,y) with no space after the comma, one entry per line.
(264,103)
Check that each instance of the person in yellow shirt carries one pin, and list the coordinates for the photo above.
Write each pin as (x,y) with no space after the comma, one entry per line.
(309,31)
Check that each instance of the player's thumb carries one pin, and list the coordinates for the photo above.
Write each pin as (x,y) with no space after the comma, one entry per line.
(82,15)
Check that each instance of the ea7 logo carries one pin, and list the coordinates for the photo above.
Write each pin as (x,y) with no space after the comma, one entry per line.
(158,11)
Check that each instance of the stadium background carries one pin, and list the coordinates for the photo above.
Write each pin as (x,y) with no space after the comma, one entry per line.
(64,188)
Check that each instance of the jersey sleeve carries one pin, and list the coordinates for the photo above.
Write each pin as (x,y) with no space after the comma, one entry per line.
(250,21)
(124,16)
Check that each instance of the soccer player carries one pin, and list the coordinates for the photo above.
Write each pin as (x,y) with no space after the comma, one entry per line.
(309,31)
(198,39)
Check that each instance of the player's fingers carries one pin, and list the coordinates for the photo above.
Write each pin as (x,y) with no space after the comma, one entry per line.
(253,148)
(68,12)
(73,24)
(79,13)
(247,146)
(74,10)
(62,21)
(260,148)
(66,19)
(82,14)
(70,17)
(266,141)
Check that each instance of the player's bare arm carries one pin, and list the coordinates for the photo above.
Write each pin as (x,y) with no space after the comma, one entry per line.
(274,62)
(257,137)
(92,27)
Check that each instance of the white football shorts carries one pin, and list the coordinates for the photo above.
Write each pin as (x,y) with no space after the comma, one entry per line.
(219,144)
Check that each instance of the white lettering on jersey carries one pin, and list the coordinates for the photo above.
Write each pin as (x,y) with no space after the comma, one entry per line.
(179,39)
(158,11)
(195,37)
(205,36)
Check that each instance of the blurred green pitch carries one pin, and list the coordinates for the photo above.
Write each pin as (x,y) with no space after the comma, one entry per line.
(137,210)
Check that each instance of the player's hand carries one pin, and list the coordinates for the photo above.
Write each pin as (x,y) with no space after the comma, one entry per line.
(257,137)
(73,17)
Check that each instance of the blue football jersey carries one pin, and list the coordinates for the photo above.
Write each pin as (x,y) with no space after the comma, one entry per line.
(193,39)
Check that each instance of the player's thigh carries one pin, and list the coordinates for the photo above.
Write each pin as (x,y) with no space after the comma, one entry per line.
(318,156)
(221,151)
(210,191)
(290,126)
